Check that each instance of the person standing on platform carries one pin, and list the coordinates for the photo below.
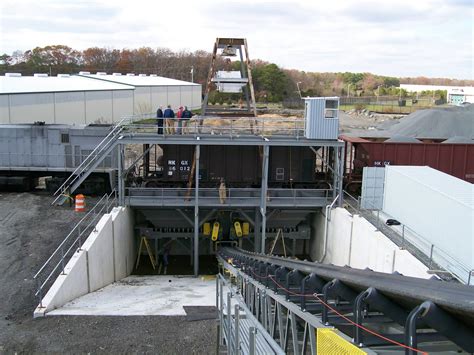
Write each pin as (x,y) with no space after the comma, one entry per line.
(159,116)
(179,115)
(222,192)
(186,116)
(169,116)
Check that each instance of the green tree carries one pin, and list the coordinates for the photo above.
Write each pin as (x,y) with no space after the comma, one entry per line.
(272,79)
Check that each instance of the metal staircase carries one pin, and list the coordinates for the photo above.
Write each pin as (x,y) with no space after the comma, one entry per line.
(88,165)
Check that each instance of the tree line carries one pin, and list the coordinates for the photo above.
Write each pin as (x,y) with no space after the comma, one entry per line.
(271,83)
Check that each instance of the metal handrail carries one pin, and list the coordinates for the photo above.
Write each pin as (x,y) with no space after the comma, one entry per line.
(230,192)
(257,125)
(449,259)
(101,207)
(86,163)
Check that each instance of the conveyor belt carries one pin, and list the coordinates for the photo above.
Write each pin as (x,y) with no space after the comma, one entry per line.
(447,308)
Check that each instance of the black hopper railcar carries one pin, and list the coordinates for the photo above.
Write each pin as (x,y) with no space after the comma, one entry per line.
(238,166)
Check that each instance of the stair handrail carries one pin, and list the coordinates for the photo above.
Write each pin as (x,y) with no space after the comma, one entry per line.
(104,205)
(88,160)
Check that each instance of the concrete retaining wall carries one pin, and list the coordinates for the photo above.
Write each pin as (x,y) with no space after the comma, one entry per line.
(100,254)
(106,256)
(123,244)
(74,283)
(355,242)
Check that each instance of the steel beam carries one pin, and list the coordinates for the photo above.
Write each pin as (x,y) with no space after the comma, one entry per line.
(257,230)
(251,140)
(196,213)
(263,197)
(340,169)
(185,216)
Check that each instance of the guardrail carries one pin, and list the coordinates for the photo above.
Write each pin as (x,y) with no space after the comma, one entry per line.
(90,162)
(221,126)
(72,242)
(290,196)
(414,242)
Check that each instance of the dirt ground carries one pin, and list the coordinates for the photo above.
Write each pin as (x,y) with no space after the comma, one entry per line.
(30,230)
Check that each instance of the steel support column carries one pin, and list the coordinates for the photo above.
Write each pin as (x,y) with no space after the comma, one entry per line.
(340,170)
(335,177)
(256,229)
(196,213)
(263,197)
(120,184)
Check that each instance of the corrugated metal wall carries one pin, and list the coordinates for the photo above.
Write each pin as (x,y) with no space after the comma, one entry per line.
(149,98)
(82,107)
(320,123)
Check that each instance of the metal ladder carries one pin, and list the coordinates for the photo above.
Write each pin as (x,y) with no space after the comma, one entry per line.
(88,165)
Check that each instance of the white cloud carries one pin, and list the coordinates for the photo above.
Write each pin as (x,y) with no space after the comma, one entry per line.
(400,38)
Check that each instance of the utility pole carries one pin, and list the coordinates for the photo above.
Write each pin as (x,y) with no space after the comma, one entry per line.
(192,73)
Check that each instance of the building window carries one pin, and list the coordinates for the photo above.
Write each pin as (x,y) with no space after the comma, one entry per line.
(64,137)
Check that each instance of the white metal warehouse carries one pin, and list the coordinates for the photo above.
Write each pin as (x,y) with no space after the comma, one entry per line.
(151,91)
(63,99)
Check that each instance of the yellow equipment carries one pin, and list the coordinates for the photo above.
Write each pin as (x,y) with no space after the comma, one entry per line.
(238,229)
(215,231)
(144,242)
(329,342)
(206,228)
(245,228)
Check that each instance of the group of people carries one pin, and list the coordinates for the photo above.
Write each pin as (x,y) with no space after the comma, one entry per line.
(167,118)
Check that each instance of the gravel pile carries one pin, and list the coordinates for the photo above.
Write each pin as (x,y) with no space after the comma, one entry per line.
(438,123)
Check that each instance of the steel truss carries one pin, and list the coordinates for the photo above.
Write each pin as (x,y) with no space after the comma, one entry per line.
(292,298)
(290,329)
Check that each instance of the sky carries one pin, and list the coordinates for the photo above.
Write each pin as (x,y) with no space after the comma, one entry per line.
(432,38)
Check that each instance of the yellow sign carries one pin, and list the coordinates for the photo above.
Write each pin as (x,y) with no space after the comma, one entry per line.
(330,343)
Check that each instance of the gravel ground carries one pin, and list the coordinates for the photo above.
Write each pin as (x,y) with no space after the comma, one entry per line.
(30,230)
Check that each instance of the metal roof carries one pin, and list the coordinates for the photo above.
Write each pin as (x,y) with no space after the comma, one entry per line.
(139,80)
(63,83)
(457,189)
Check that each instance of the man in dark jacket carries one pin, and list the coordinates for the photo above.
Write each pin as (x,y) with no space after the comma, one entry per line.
(169,115)
(159,116)
(186,116)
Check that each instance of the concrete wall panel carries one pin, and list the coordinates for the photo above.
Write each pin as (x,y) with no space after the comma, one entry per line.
(353,241)
(100,254)
(67,287)
(124,246)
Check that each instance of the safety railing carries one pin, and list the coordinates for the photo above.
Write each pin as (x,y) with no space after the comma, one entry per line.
(73,242)
(239,330)
(231,195)
(234,127)
(432,255)
(89,163)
